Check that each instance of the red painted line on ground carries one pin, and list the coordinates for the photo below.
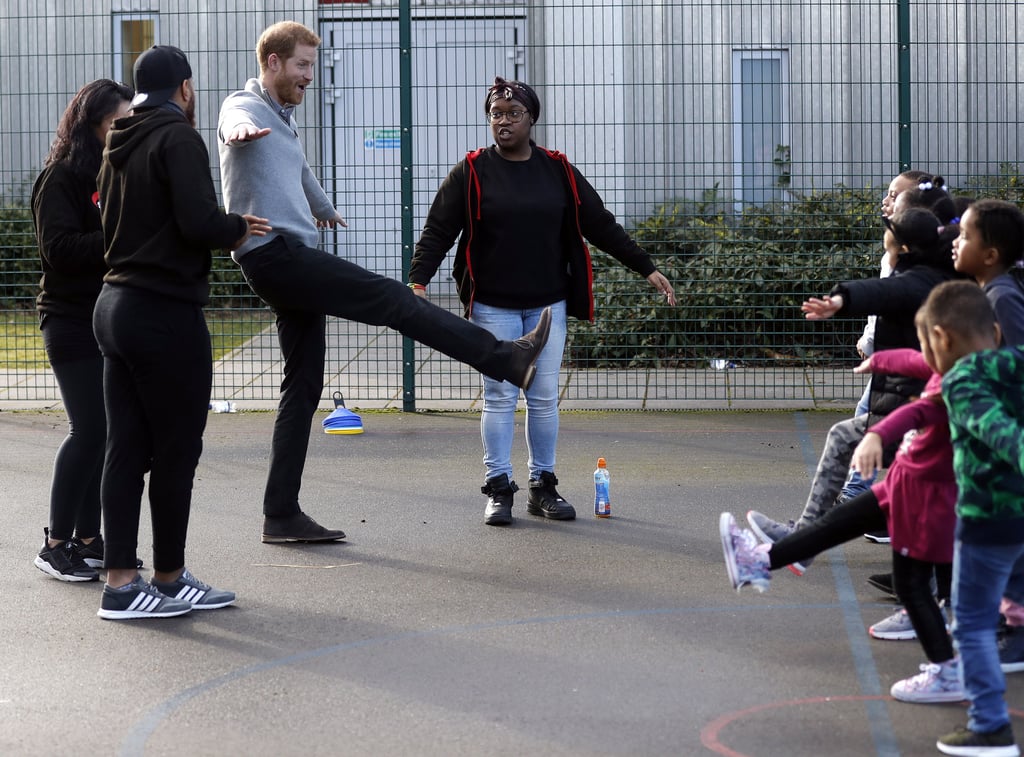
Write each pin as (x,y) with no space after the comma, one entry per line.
(709,734)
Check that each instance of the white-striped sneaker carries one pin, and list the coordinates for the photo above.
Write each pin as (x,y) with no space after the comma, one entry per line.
(200,595)
(139,600)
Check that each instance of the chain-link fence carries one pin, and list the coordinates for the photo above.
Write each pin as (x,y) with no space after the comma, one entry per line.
(746,145)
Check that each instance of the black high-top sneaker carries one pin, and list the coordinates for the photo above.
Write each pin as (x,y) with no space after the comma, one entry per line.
(499,491)
(546,501)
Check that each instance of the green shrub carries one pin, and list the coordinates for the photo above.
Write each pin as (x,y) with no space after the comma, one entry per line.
(1005,184)
(739,282)
(20,268)
(19,256)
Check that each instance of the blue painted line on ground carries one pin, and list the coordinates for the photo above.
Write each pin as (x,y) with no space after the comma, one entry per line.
(882,732)
(134,743)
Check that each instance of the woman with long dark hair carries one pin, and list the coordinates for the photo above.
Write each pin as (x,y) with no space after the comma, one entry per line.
(65,209)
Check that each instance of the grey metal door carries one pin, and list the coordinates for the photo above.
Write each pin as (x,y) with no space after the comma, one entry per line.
(454,60)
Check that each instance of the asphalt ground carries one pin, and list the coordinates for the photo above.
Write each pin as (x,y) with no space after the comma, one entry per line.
(429,633)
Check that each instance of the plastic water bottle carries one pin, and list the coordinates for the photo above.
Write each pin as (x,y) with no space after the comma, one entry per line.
(222,406)
(602,500)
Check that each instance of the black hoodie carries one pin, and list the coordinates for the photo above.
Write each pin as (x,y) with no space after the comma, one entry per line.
(159,207)
(67,221)
(895,300)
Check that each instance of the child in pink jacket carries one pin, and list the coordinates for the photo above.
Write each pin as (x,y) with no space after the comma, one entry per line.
(915,500)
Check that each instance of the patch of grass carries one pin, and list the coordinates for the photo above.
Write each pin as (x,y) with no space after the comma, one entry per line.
(21,342)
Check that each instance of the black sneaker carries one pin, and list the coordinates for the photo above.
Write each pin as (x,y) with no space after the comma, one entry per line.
(1011,649)
(878,537)
(964,741)
(200,595)
(92,552)
(499,491)
(545,500)
(882,582)
(139,600)
(63,562)
(297,528)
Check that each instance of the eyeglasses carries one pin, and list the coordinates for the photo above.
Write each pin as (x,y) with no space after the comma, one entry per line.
(514,116)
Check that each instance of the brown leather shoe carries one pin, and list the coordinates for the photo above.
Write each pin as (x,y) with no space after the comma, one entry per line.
(297,528)
(527,349)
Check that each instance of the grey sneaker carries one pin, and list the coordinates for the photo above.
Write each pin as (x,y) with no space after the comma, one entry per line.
(139,600)
(935,683)
(770,531)
(198,594)
(896,627)
(746,561)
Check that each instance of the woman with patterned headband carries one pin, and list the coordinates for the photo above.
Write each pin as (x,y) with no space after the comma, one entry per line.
(523,216)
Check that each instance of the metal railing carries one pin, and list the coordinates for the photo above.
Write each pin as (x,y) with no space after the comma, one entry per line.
(746,145)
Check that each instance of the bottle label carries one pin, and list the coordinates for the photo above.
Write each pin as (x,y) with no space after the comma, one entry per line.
(602,502)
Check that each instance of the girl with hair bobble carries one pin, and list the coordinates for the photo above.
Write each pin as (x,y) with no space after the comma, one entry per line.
(65,210)
(522,216)
(932,194)
(920,248)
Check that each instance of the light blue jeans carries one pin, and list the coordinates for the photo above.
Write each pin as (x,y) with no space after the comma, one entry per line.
(981,573)
(497,423)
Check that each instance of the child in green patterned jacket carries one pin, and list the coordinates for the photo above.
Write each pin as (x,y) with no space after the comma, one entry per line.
(982,389)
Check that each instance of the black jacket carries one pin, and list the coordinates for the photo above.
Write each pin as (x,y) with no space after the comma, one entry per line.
(160,211)
(895,300)
(456,209)
(66,214)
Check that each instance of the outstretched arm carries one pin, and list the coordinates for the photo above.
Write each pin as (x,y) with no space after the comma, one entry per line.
(659,282)
(818,309)
(245,133)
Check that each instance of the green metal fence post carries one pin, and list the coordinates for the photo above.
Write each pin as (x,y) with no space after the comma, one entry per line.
(903,80)
(405,116)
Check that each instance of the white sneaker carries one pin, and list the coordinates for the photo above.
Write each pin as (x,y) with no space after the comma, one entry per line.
(746,561)
(935,683)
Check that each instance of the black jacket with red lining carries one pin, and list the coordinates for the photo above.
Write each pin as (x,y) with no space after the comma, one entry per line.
(456,209)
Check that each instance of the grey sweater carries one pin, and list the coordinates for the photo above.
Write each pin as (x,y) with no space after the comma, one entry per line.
(269,177)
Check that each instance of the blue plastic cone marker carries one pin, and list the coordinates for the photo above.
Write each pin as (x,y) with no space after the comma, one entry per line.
(342,420)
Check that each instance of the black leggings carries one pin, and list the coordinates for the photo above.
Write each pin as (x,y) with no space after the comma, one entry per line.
(911,578)
(78,367)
